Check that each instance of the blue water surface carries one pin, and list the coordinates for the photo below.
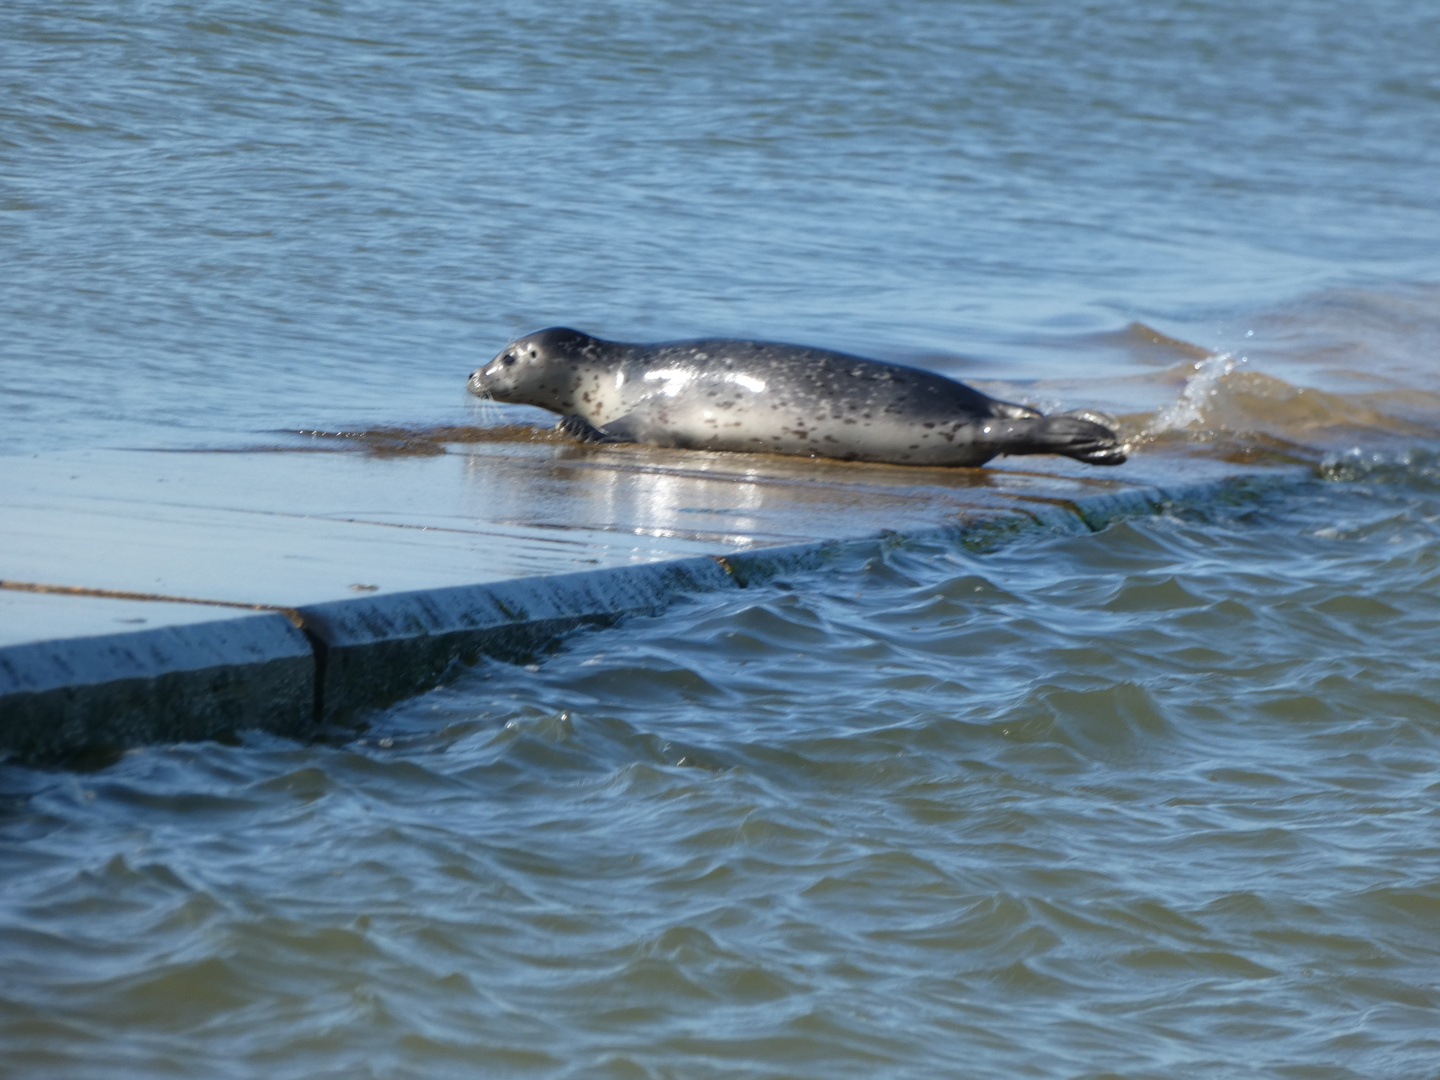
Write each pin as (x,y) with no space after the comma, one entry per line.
(229,217)
(1157,801)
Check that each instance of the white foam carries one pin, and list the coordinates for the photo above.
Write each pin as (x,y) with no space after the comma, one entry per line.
(1200,389)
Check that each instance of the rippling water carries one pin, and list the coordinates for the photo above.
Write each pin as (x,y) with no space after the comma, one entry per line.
(1155,801)
(227,217)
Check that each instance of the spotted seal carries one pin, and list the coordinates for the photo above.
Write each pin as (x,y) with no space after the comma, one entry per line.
(762,396)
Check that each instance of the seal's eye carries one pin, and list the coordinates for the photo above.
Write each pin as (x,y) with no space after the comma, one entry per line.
(509,359)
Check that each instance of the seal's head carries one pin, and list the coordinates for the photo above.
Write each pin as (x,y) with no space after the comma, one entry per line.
(538,369)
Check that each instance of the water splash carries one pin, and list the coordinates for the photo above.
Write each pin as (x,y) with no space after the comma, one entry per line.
(1200,390)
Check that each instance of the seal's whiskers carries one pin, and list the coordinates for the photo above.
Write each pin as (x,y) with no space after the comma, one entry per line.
(484,409)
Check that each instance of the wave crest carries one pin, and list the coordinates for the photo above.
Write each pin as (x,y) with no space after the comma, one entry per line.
(1223,399)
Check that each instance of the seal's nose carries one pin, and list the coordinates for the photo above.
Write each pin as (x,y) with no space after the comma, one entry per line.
(475,384)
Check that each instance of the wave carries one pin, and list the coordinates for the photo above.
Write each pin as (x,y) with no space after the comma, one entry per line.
(1224,396)
(1346,379)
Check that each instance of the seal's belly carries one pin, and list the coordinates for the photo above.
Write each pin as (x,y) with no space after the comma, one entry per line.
(758,425)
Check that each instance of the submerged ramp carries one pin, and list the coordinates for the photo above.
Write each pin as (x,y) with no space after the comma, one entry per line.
(162,596)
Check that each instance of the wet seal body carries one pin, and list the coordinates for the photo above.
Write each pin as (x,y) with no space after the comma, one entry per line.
(761,396)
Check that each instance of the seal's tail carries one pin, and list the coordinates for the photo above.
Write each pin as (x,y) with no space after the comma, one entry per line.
(1083,435)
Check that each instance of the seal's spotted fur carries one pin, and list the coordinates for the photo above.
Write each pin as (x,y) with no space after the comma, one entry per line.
(786,399)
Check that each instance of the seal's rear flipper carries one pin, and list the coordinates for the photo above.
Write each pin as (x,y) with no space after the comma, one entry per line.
(1097,444)
(1079,435)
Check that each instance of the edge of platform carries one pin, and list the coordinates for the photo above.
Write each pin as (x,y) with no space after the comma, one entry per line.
(292,670)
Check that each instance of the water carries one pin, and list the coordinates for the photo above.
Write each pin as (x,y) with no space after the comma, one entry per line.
(226,218)
(1157,801)
(1154,802)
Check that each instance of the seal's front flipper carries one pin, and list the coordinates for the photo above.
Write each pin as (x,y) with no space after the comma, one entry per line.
(577,427)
